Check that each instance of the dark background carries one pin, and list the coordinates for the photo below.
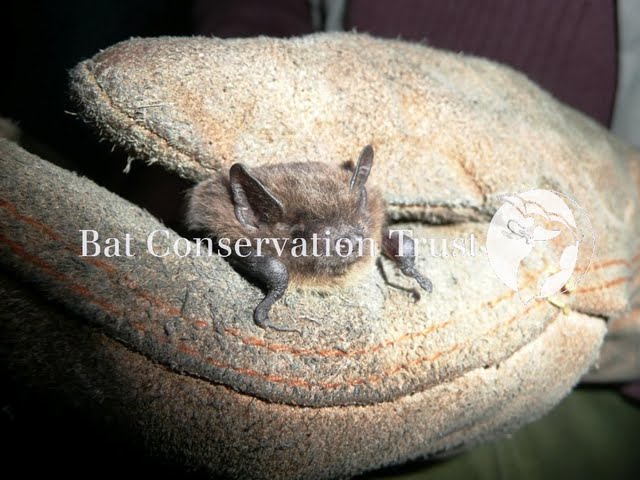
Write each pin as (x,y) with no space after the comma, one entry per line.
(567,46)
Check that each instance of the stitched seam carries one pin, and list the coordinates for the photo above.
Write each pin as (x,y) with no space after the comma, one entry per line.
(249,372)
(278,348)
(100,264)
(130,122)
(296,382)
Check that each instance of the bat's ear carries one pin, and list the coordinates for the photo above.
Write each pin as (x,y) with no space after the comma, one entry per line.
(363,168)
(251,199)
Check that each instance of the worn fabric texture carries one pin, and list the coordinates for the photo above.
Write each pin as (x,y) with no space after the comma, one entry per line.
(127,334)
(377,376)
(451,132)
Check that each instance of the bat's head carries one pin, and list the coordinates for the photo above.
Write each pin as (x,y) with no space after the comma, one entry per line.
(303,201)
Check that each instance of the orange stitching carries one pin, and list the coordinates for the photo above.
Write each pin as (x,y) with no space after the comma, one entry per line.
(101,264)
(605,264)
(608,263)
(374,378)
(139,326)
(52,272)
(602,286)
(334,352)
(331,352)
(31,221)
(614,282)
(277,348)
(254,341)
(45,229)
(188,350)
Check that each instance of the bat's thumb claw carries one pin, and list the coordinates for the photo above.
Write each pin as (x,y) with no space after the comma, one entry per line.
(425,283)
(261,319)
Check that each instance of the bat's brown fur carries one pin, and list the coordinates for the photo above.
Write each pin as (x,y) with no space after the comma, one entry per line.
(316,198)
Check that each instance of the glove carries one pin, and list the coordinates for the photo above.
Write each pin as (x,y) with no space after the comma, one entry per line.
(168,342)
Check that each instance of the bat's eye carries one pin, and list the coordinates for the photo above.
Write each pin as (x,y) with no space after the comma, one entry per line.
(348,245)
(344,246)
(297,231)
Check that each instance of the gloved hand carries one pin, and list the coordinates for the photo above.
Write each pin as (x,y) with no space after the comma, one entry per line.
(170,341)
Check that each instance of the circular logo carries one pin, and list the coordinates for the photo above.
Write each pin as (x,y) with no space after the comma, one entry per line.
(539,243)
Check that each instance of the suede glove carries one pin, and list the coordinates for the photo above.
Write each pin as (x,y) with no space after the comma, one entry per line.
(378,377)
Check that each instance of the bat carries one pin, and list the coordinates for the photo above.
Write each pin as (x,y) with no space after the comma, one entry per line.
(308,223)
